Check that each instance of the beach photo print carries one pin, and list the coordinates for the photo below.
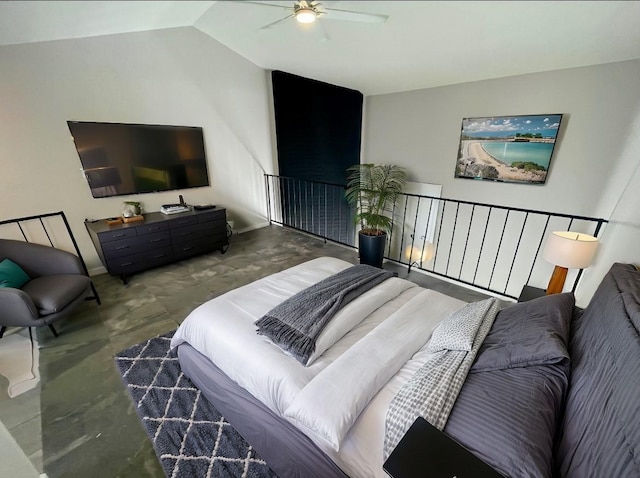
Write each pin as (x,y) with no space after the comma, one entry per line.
(507,148)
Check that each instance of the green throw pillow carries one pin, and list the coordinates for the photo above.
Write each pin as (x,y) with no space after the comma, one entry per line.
(12,275)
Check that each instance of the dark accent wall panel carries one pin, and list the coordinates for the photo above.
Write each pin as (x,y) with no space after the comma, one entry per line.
(318,128)
(318,134)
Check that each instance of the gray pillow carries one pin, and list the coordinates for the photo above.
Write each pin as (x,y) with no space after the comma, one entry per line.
(535,332)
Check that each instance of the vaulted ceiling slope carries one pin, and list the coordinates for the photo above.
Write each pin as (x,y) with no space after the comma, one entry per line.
(420,45)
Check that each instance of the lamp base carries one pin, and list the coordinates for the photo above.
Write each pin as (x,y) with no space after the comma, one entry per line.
(556,283)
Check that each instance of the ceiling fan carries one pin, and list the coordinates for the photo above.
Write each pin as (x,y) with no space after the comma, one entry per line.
(307,12)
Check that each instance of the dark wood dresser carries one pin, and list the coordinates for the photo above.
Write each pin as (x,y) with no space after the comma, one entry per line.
(160,239)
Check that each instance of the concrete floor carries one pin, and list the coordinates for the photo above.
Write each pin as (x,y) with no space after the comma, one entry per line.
(80,420)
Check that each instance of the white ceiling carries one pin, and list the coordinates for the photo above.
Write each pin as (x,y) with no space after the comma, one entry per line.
(422,44)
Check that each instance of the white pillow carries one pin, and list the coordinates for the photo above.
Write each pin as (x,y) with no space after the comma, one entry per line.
(355,312)
(458,331)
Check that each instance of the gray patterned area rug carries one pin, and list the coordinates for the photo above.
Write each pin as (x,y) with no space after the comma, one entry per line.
(189,435)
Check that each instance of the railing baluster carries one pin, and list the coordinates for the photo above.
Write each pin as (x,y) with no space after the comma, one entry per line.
(466,242)
(515,254)
(325,211)
(393,215)
(484,236)
(266,188)
(46,232)
(504,227)
(22,231)
(426,230)
(535,258)
(330,197)
(435,253)
(404,222)
(453,236)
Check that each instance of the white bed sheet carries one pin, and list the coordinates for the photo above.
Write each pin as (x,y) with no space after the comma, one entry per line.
(223,330)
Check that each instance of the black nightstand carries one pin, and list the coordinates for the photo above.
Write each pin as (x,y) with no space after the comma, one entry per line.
(529,293)
(426,451)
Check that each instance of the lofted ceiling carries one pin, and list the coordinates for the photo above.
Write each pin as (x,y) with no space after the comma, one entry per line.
(422,44)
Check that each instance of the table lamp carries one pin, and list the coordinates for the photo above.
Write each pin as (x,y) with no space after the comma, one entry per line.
(567,250)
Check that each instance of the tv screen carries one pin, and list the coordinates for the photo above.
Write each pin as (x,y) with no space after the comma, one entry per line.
(119,159)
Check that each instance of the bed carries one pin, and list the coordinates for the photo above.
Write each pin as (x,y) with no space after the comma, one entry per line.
(530,403)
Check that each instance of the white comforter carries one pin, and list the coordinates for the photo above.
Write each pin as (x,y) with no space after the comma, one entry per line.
(341,399)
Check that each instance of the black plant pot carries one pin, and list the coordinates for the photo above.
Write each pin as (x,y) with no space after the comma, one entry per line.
(371,249)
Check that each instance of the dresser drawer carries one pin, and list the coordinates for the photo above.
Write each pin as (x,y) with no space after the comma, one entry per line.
(136,244)
(179,222)
(116,234)
(213,215)
(193,231)
(140,261)
(192,248)
(152,228)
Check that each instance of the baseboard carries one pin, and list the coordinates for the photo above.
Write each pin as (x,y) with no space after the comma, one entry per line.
(251,228)
(97,271)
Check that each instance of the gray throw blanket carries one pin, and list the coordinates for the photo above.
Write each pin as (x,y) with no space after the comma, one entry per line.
(433,389)
(295,324)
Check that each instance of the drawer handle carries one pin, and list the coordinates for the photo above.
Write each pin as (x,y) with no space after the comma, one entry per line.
(121,247)
(155,240)
(126,264)
(187,248)
(119,235)
(159,256)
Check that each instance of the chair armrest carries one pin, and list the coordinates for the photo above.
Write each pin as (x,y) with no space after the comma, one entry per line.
(17,308)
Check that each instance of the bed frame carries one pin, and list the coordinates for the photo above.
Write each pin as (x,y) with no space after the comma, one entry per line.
(592,440)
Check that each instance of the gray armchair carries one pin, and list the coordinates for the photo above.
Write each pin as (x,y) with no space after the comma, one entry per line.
(58,285)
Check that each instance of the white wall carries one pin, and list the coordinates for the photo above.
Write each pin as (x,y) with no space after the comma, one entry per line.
(621,239)
(176,77)
(595,154)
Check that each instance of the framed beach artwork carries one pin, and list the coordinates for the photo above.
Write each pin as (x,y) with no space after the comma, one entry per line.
(507,148)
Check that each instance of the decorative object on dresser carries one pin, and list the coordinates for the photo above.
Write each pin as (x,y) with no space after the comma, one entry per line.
(567,250)
(132,212)
(373,189)
(160,239)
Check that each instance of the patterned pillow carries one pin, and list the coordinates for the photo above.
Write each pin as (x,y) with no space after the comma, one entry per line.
(458,331)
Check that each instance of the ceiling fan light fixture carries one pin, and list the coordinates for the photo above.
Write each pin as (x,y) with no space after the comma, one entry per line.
(306,15)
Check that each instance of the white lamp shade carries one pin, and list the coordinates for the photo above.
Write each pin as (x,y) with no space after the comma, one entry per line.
(572,250)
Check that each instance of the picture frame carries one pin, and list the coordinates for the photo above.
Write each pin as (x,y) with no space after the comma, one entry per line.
(515,149)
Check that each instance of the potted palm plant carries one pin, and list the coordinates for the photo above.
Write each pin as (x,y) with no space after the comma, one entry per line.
(373,189)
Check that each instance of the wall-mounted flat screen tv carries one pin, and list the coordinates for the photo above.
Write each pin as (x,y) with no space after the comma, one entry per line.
(119,159)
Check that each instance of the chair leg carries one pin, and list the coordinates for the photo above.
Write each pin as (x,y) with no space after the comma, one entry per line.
(55,334)
(2,331)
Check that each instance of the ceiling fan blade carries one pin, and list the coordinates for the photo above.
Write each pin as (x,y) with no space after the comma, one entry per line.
(262,4)
(272,24)
(350,16)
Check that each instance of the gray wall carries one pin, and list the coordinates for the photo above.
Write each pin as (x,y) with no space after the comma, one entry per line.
(592,163)
(176,76)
